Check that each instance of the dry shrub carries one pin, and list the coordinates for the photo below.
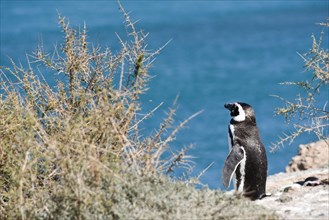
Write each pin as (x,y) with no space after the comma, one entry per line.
(308,112)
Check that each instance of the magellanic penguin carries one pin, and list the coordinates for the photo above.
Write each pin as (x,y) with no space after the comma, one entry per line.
(247,161)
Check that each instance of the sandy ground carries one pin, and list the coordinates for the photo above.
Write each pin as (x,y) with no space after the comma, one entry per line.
(293,201)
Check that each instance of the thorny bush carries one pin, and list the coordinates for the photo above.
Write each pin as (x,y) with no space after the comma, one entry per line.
(309,108)
(61,146)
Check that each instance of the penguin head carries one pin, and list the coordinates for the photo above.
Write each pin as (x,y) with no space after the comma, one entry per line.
(240,111)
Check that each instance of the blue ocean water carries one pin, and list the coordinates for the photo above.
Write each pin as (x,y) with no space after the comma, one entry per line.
(220,52)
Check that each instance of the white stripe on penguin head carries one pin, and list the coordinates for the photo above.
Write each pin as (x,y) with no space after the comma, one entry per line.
(242,115)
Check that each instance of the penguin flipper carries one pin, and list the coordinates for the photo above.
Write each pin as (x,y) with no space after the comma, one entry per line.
(232,161)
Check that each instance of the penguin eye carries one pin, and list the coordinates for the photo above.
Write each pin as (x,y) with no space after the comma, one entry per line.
(235,111)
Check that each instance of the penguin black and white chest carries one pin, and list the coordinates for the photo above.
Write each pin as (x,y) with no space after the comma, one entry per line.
(247,161)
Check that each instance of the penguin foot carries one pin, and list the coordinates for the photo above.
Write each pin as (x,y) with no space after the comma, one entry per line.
(264,195)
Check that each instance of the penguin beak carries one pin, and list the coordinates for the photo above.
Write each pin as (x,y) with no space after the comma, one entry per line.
(229,106)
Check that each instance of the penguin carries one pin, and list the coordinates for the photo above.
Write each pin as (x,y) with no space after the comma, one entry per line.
(246,162)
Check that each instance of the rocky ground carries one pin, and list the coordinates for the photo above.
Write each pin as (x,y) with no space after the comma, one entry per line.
(312,155)
(294,198)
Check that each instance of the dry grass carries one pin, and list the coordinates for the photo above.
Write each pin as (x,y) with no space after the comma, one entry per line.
(74,150)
